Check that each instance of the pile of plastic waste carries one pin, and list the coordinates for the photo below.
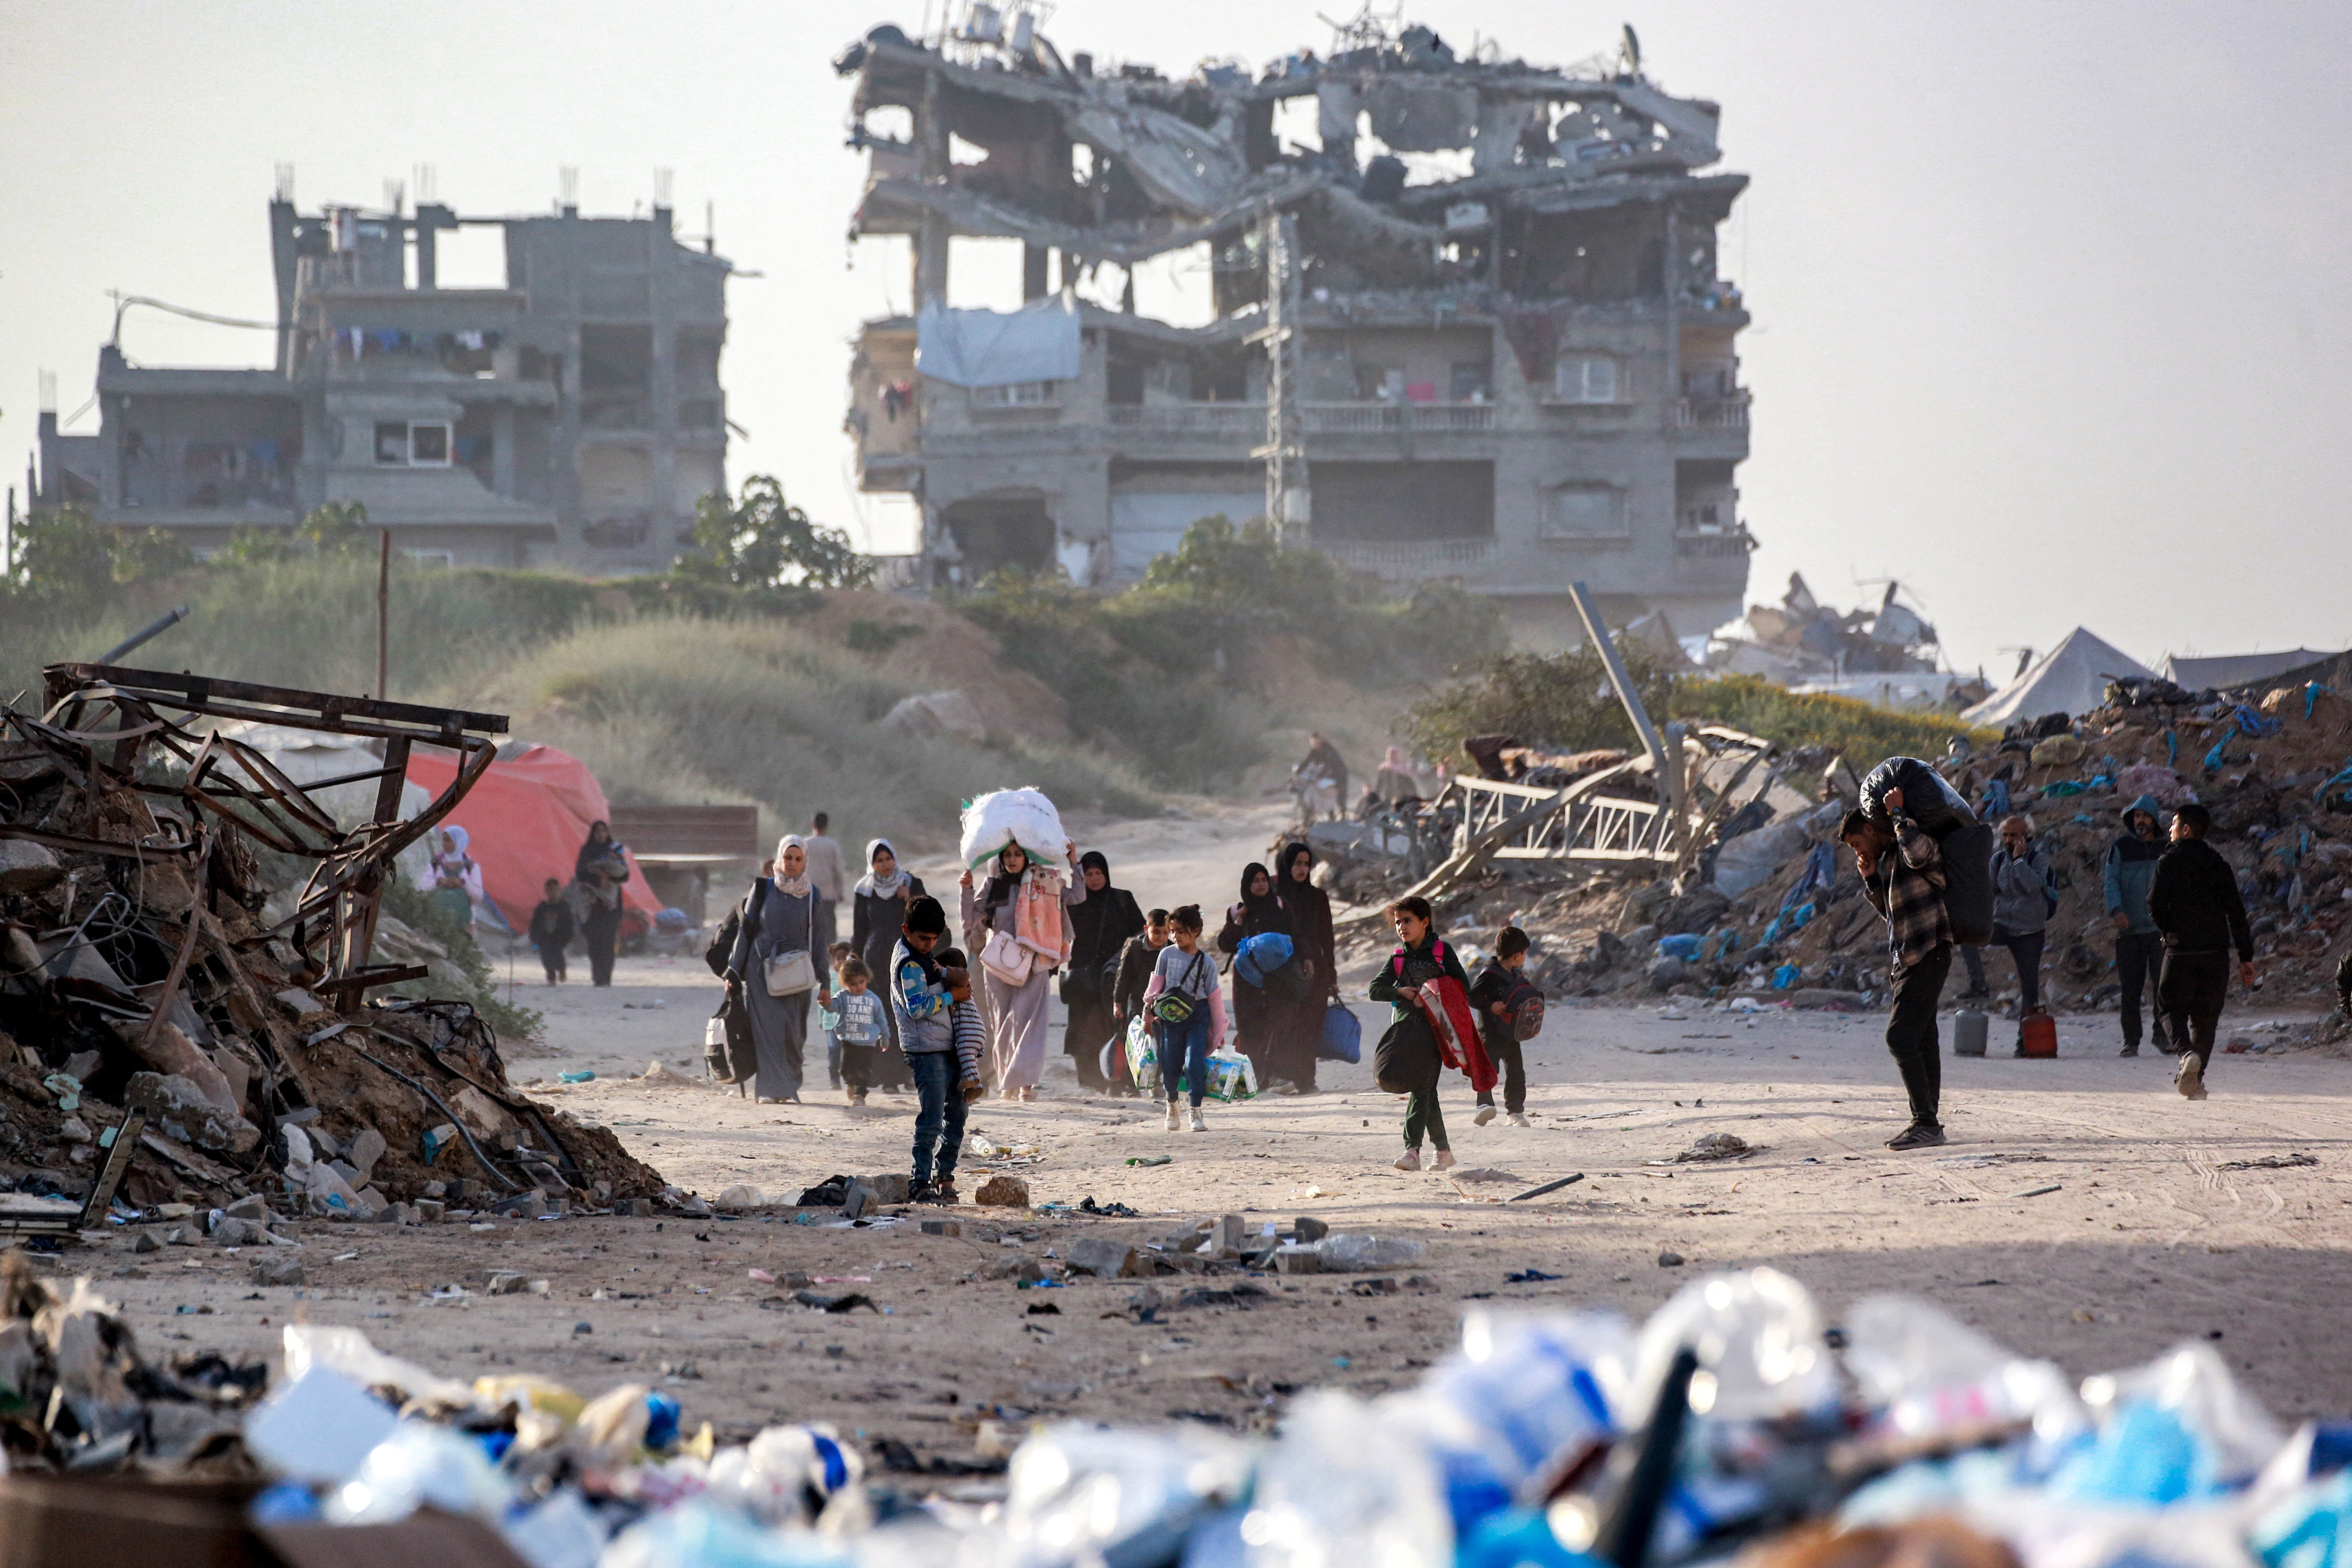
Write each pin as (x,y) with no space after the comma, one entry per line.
(1736,1422)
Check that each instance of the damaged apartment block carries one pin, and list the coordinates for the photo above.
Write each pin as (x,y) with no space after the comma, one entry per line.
(571,414)
(1467,319)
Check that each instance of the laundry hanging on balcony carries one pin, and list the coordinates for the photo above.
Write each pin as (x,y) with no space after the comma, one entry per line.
(993,348)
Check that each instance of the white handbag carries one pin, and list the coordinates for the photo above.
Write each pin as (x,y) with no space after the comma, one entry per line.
(790,973)
(1006,958)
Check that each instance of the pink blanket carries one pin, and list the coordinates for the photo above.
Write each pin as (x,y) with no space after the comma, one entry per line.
(1038,923)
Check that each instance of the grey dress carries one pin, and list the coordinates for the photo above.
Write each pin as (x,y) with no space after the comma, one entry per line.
(779,1023)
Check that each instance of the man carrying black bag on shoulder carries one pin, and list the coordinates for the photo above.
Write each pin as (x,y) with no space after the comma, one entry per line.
(1903,876)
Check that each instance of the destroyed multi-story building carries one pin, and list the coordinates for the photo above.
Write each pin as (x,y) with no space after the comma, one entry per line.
(1467,321)
(572,414)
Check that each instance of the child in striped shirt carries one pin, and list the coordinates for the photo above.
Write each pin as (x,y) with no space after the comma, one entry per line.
(966,1028)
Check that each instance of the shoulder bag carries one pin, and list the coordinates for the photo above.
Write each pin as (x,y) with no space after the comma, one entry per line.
(791,973)
(1177,1003)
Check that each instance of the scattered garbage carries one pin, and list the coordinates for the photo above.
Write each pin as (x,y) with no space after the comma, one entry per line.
(2271,1163)
(1712,1146)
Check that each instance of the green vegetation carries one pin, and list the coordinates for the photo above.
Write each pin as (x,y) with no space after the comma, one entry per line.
(1564,701)
(759,539)
(1173,670)
(410,905)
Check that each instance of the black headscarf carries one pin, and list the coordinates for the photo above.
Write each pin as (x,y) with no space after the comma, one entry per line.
(592,852)
(1093,860)
(1100,926)
(1002,882)
(1263,912)
(1283,863)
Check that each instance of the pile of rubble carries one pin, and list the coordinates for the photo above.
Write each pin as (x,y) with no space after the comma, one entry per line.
(140,974)
(1773,907)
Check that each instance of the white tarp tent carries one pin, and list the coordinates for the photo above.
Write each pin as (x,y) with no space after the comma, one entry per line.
(990,348)
(2236,668)
(2070,679)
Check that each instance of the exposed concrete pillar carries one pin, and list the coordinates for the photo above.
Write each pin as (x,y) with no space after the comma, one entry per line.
(1032,272)
(502,450)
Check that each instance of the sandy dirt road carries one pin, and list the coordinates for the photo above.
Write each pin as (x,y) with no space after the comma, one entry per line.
(2145,1224)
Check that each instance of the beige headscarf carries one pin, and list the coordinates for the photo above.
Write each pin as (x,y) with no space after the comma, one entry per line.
(791,887)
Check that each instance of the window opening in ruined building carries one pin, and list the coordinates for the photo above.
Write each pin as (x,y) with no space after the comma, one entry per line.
(444,558)
(1584,510)
(1019,395)
(1471,382)
(391,443)
(428,445)
(1585,378)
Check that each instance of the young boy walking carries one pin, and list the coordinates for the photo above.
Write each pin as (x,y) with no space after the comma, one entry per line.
(1186,978)
(1492,999)
(551,929)
(921,999)
(859,1027)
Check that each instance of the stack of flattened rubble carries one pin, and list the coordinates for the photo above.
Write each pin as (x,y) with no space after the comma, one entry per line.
(137,973)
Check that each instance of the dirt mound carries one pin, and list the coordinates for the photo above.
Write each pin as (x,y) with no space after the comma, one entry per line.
(930,647)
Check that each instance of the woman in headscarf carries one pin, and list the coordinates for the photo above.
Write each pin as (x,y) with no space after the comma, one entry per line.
(1314,945)
(1028,904)
(1100,926)
(599,869)
(879,906)
(1263,1025)
(779,917)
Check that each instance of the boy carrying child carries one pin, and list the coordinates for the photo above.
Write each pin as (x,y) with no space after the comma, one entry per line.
(1495,997)
(922,999)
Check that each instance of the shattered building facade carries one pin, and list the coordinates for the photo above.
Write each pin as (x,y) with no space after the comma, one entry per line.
(572,415)
(1468,320)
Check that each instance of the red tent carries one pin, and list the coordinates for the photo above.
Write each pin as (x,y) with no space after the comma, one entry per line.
(527,818)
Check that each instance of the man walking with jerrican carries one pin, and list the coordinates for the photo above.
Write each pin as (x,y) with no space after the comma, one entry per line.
(1903,876)
(2195,901)
(2139,946)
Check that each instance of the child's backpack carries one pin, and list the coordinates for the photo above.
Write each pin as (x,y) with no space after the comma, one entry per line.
(1526,1004)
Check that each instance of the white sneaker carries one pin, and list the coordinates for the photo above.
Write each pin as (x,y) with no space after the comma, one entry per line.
(1445,1160)
(2188,1077)
(1198,1125)
(1409,1161)
(1172,1124)
(1486,1114)
(1519,1118)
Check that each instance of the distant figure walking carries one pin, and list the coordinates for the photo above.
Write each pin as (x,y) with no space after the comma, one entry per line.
(600,869)
(2195,900)
(779,966)
(551,929)
(828,875)
(1263,1023)
(1323,761)
(1314,945)
(2129,872)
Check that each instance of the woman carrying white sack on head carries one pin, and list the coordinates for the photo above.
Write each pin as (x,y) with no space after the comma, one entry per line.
(1023,911)
(779,966)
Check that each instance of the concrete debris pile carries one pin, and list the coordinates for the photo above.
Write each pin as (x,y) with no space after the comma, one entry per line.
(1801,638)
(1773,907)
(138,970)
(1736,1421)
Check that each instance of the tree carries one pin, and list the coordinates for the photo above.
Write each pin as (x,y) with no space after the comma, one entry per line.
(66,554)
(337,527)
(762,541)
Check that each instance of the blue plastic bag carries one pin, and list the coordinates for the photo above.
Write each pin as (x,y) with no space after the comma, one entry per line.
(1343,1036)
(1259,956)
(1785,976)
(1684,947)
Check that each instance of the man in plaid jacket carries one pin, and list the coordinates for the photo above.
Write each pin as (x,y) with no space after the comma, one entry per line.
(1903,876)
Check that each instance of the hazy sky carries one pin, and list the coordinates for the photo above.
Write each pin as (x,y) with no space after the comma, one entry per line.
(2051,301)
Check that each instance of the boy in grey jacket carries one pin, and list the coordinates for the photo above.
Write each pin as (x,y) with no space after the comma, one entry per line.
(2022,893)
(2140,947)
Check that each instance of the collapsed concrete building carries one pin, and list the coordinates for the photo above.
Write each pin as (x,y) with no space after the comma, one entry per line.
(572,414)
(1468,322)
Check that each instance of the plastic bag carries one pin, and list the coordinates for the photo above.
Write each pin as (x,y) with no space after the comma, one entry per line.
(1023,816)
(786,1473)
(1759,1340)
(1684,947)
(1522,1391)
(349,1352)
(420,1463)
(1350,1483)
(1926,1374)
(2193,1383)
(1230,1076)
(1076,1492)
(1143,1054)
(1259,956)
(1343,1035)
